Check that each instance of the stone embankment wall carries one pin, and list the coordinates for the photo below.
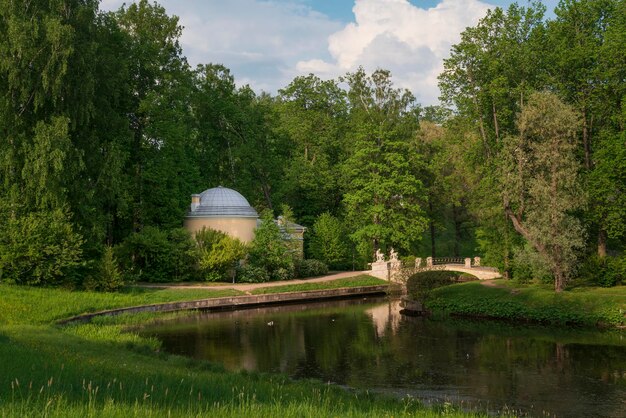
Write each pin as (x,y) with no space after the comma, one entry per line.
(233,302)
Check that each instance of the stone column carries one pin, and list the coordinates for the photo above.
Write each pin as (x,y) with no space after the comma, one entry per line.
(418,262)
(429,261)
(468,262)
(476,261)
(394,268)
(380,270)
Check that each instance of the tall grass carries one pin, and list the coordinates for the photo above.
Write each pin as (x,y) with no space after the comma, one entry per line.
(27,305)
(103,369)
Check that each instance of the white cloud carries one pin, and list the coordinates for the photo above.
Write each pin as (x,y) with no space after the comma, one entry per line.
(261,42)
(268,43)
(396,35)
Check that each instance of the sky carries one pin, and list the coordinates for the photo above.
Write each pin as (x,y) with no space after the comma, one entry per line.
(267,43)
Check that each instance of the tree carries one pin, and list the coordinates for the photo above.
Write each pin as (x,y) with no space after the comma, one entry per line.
(588,39)
(159,86)
(313,114)
(107,276)
(329,241)
(268,250)
(218,253)
(382,193)
(542,189)
(492,70)
(38,247)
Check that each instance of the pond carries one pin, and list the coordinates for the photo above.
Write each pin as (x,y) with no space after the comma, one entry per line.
(367,344)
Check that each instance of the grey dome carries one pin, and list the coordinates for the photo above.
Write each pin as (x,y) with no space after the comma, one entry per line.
(223,202)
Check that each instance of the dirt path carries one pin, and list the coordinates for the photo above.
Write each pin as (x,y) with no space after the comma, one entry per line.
(491,283)
(248,287)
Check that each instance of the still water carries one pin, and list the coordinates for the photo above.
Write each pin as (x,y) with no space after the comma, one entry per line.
(367,344)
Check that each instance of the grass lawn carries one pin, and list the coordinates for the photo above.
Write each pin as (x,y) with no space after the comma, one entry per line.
(101,369)
(27,305)
(362,280)
(533,303)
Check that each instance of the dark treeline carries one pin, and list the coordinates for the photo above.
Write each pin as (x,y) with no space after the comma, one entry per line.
(105,130)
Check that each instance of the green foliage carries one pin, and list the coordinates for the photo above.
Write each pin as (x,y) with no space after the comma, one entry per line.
(249,273)
(155,255)
(603,271)
(219,254)
(528,266)
(313,114)
(382,193)
(269,251)
(107,276)
(38,248)
(408,260)
(542,189)
(420,284)
(310,268)
(329,241)
(589,307)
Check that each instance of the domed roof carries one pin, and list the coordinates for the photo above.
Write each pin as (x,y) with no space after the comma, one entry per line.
(222,201)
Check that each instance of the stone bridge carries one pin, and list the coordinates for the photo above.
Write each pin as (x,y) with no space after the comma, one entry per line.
(392,270)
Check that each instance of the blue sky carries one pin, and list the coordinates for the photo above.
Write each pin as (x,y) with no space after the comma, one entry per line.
(266,43)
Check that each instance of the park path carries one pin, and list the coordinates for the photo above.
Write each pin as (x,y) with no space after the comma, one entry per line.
(248,287)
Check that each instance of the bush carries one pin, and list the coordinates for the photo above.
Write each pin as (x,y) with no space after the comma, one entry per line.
(154,255)
(603,271)
(310,268)
(107,276)
(218,254)
(251,274)
(419,285)
(38,248)
(269,251)
(528,265)
(329,242)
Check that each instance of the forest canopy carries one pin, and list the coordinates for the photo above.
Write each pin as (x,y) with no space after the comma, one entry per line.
(106,131)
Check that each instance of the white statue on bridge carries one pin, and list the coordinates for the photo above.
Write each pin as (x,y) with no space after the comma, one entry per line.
(380,257)
(393,255)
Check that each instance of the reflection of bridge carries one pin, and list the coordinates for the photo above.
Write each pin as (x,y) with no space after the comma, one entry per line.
(392,270)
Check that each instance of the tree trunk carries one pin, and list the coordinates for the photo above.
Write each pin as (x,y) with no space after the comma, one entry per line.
(432,227)
(602,237)
(495,121)
(267,195)
(457,229)
(559,280)
(586,146)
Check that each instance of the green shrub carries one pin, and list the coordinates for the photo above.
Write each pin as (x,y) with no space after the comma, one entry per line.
(251,274)
(329,243)
(603,271)
(528,265)
(155,255)
(420,284)
(269,251)
(310,268)
(107,276)
(218,254)
(38,248)
(282,273)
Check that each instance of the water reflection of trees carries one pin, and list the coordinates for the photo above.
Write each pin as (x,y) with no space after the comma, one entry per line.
(369,346)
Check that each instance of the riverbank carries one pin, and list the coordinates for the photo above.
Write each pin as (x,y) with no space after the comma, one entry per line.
(502,299)
(101,369)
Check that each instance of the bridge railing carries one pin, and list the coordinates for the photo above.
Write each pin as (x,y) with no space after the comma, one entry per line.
(448,260)
(467,262)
